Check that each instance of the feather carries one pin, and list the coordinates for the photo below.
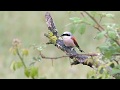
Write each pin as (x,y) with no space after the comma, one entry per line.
(76,44)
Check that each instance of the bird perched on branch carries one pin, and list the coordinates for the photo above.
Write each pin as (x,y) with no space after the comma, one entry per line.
(69,40)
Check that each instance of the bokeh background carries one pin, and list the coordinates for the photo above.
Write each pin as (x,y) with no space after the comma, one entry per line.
(29,27)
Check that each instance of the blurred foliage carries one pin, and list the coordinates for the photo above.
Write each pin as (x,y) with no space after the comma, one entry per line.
(30,26)
(110,47)
(17,50)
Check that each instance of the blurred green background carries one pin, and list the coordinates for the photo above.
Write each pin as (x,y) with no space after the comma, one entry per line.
(29,27)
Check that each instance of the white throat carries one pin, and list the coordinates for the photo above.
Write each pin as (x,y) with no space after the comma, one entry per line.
(66,37)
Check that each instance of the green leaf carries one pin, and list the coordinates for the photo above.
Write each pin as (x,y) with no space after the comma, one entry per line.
(100,76)
(33,72)
(118,67)
(39,58)
(40,48)
(101,71)
(103,48)
(108,54)
(109,15)
(82,29)
(112,34)
(91,74)
(12,66)
(19,64)
(73,28)
(75,19)
(27,72)
(100,35)
(25,52)
(16,65)
(115,71)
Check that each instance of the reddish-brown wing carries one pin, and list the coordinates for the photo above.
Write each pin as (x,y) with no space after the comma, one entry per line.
(75,42)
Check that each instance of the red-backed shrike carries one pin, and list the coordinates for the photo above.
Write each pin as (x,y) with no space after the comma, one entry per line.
(69,40)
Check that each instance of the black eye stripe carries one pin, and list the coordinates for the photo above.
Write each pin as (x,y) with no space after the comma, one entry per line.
(66,35)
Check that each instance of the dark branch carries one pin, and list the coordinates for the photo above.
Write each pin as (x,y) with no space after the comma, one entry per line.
(50,23)
(59,42)
(43,56)
(70,51)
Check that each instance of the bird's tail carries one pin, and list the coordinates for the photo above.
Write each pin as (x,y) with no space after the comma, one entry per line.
(80,50)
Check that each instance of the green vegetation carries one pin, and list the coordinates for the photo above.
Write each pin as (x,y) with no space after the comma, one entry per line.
(29,27)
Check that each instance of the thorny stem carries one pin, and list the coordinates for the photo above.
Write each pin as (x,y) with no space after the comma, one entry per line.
(21,58)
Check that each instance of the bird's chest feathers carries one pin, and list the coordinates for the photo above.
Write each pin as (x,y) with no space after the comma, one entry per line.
(68,41)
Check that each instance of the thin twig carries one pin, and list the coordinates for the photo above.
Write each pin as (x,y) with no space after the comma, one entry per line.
(94,20)
(66,56)
(89,23)
(117,41)
(100,18)
(20,57)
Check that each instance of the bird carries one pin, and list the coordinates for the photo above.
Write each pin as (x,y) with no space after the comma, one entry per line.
(70,41)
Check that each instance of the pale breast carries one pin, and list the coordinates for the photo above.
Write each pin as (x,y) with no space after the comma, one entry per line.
(68,41)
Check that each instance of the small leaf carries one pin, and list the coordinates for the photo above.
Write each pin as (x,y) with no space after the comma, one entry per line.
(108,54)
(33,72)
(118,67)
(100,76)
(73,29)
(32,63)
(103,48)
(109,15)
(112,34)
(101,71)
(82,29)
(91,74)
(12,66)
(16,65)
(100,35)
(27,72)
(39,58)
(13,51)
(34,58)
(19,64)
(40,48)
(75,19)
(25,52)
(115,71)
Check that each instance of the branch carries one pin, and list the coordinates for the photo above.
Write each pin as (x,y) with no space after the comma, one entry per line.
(89,23)
(117,41)
(21,58)
(94,20)
(59,42)
(75,62)
(66,56)
(70,51)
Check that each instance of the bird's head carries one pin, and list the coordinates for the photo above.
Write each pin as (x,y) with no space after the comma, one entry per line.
(66,34)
